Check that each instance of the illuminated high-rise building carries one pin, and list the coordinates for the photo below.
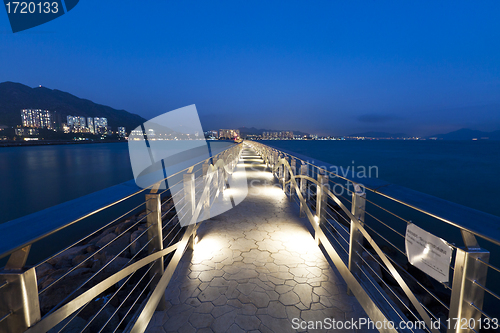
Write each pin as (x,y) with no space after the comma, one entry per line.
(36,118)
(100,125)
(90,125)
(229,134)
(213,134)
(26,131)
(70,121)
(83,123)
(121,132)
(66,128)
(77,124)
(286,135)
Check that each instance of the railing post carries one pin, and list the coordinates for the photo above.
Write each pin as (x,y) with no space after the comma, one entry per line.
(234,160)
(221,179)
(155,234)
(275,158)
(206,203)
(304,170)
(294,172)
(467,296)
(189,197)
(358,210)
(285,174)
(223,170)
(321,198)
(215,178)
(309,184)
(19,305)
(190,202)
(226,163)
(281,174)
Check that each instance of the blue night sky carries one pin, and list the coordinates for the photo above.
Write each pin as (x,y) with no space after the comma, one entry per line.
(419,67)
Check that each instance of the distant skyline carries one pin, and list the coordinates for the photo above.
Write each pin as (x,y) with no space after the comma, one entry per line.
(328,68)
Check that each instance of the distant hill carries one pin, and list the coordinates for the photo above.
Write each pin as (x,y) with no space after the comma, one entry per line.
(259,131)
(468,134)
(379,135)
(15,96)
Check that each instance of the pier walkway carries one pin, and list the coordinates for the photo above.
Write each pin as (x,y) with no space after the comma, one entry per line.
(258,267)
(255,268)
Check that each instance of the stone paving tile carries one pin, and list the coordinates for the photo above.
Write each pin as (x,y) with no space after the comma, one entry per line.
(256,268)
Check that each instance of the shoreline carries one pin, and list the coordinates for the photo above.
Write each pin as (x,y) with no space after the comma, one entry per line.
(53,143)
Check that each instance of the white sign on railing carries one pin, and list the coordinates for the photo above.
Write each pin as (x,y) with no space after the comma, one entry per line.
(430,254)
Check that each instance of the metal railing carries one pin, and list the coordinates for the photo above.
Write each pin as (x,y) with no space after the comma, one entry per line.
(113,278)
(362,230)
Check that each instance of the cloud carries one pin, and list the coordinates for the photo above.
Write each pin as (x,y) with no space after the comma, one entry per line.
(373,118)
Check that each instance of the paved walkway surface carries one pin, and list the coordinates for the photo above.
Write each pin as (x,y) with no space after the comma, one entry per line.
(256,268)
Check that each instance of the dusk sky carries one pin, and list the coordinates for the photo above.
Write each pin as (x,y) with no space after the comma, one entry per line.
(418,67)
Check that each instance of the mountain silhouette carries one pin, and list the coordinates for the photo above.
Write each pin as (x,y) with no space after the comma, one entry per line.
(15,96)
(468,134)
(259,131)
(379,135)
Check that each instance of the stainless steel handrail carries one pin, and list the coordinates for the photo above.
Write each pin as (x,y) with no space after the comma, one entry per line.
(68,308)
(460,216)
(46,233)
(470,265)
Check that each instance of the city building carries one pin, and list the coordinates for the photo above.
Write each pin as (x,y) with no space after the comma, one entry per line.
(121,132)
(66,128)
(77,124)
(229,134)
(136,135)
(212,134)
(90,125)
(83,124)
(70,121)
(36,118)
(26,131)
(100,125)
(253,137)
(283,135)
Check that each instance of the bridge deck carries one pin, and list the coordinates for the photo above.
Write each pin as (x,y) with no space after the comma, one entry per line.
(254,269)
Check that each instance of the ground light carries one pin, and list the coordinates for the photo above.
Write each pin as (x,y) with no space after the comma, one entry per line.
(205,248)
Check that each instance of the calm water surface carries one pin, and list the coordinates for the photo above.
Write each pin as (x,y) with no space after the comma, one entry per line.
(39,177)
(465,172)
(35,178)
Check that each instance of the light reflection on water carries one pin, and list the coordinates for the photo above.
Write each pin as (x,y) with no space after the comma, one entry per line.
(465,172)
(39,177)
